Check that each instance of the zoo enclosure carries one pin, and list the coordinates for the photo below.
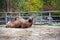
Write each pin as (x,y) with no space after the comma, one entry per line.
(44,17)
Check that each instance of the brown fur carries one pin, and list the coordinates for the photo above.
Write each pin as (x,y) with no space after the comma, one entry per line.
(28,23)
(13,24)
(20,23)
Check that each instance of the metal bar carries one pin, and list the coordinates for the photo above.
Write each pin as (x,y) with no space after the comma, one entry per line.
(6,17)
(49,17)
(41,17)
(33,12)
(19,14)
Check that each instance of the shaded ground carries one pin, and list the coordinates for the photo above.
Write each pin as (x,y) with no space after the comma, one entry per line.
(34,33)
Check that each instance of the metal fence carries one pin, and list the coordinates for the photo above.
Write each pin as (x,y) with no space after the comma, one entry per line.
(44,17)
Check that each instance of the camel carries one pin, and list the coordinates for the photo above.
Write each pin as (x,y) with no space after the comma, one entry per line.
(19,22)
(28,23)
(13,24)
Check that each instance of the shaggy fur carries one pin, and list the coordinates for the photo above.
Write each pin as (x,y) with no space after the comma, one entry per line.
(27,23)
(13,24)
(20,23)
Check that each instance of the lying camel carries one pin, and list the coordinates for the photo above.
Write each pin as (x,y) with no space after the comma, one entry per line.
(20,23)
(25,23)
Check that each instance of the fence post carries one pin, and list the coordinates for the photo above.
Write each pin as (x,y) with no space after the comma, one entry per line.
(6,17)
(19,13)
(41,17)
(49,17)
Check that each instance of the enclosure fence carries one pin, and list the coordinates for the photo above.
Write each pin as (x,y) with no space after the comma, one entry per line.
(44,17)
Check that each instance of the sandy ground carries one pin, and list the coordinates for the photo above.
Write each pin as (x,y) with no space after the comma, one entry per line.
(33,33)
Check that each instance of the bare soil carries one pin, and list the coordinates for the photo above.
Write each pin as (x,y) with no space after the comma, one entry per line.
(33,33)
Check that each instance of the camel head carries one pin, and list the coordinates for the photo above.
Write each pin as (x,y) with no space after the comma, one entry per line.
(30,19)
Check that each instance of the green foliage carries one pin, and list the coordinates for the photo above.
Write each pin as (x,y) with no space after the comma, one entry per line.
(29,5)
(57,5)
(2,6)
(17,5)
(53,3)
(34,5)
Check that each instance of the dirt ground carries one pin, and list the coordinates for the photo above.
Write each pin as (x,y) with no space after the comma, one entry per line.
(33,33)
